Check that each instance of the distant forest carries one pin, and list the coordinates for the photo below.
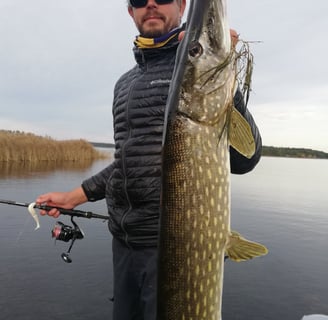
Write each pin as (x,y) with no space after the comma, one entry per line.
(293,153)
(266,151)
(102,144)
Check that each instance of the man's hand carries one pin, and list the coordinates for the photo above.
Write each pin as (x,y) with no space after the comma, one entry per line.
(234,37)
(67,200)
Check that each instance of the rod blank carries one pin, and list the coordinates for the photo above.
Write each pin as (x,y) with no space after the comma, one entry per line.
(69,212)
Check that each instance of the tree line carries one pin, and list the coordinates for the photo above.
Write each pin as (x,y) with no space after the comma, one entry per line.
(293,152)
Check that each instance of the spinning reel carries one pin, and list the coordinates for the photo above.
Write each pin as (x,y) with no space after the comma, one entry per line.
(67,233)
(60,231)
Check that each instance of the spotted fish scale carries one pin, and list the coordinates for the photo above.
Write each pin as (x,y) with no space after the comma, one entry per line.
(195,230)
(199,190)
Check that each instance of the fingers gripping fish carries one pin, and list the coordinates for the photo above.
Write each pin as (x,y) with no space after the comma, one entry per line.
(34,215)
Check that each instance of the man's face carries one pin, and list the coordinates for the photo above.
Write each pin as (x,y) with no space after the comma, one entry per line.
(155,20)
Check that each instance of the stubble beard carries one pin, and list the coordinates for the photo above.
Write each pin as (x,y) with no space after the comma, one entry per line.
(152,32)
(155,31)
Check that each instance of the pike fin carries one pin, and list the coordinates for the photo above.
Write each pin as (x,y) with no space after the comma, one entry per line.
(240,134)
(240,249)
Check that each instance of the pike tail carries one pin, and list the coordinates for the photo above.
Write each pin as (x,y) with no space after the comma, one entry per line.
(240,249)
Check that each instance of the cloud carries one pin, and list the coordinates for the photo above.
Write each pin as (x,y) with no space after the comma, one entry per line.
(293,125)
(59,62)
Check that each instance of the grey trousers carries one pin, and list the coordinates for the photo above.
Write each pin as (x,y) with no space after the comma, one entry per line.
(135,279)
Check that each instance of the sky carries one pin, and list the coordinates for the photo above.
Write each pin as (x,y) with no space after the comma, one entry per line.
(59,61)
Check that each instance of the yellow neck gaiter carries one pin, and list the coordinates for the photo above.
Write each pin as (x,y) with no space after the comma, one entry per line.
(148,43)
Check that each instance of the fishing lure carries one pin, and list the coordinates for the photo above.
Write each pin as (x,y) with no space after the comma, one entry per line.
(34,215)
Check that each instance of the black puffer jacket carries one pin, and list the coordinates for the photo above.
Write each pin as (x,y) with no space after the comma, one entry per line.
(131,184)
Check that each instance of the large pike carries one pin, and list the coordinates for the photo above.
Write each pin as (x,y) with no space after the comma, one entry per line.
(201,123)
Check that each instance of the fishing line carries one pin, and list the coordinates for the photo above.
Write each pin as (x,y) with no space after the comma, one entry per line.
(22,231)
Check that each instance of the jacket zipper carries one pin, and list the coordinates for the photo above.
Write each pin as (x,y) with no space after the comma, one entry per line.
(126,235)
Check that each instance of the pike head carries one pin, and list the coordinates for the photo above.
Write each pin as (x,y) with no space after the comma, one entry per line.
(204,76)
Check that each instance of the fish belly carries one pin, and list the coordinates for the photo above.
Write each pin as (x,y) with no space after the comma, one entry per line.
(195,221)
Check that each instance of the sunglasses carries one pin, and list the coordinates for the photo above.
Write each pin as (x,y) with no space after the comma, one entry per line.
(143,3)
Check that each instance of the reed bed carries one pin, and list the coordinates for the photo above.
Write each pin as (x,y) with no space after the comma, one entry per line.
(28,147)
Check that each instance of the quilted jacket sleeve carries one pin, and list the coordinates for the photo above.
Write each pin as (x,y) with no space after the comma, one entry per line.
(95,187)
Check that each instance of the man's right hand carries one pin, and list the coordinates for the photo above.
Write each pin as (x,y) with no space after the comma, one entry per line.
(67,200)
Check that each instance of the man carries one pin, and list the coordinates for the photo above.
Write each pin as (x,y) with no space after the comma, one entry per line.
(131,183)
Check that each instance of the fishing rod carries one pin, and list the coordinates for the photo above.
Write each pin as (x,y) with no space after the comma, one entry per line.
(69,212)
(60,231)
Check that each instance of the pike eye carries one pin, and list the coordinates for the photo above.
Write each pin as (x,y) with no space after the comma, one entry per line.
(196,50)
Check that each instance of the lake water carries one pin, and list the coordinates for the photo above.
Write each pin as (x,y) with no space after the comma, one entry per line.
(283,204)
